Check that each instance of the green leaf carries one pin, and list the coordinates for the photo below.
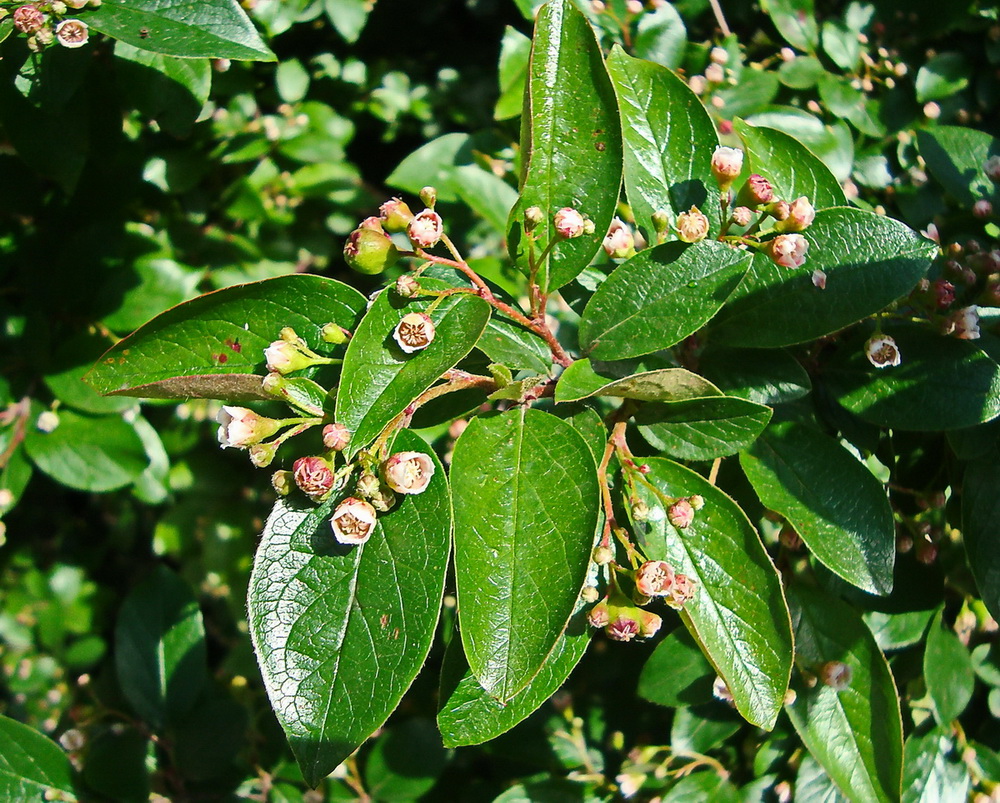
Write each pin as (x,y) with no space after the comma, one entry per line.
(813,784)
(870,261)
(841,45)
(570,143)
(795,20)
(160,654)
(488,195)
(942,383)
(348,16)
(379,379)
(31,764)
(661,37)
(804,475)
(217,29)
(801,72)
(507,343)
(833,144)
(71,361)
(980,513)
(856,733)
(659,297)
(942,76)
(948,672)
(469,715)
(677,673)
(405,762)
(116,767)
(669,141)
(213,346)
(526,507)
(170,90)
(930,774)
(340,632)
(738,614)
(89,453)
(699,730)
(764,376)
(893,631)
(789,165)
(515,50)
(955,157)
(580,381)
(702,429)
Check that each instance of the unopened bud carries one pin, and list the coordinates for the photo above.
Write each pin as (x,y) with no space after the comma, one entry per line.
(927,551)
(619,242)
(788,250)
(28,19)
(982,209)
(353,521)
(369,251)
(383,500)
(719,55)
(407,286)
(992,168)
(333,334)
(932,110)
(943,293)
(727,164)
(314,476)
(680,514)
(790,539)
(819,279)
(240,427)
(742,215)
(603,555)
(661,221)
(568,223)
(599,615)
(262,454)
(533,215)
(336,437)
(284,357)
(414,332)
(408,472)
(426,229)
(428,195)
(779,210)
(47,421)
(589,227)
(692,226)
(395,215)
(836,674)
(640,510)
(590,594)
(282,482)
(755,191)
(697,501)
(714,74)
(368,484)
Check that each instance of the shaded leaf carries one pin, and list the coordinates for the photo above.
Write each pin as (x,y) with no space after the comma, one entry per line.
(677,673)
(580,381)
(955,156)
(948,672)
(702,429)
(764,376)
(980,513)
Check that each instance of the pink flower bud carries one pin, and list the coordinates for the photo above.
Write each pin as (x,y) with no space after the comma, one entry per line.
(568,222)
(240,427)
(992,168)
(692,226)
(788,250)
(982,209)
(633,6)
(836,674)
(408,472)
(414,332)
(28,19)
(680,514)
(718,55)
(681,592)
(598,616)
(698,84)
(754,192)
(314,476)
(727,164)
(742,216)
(654,578)
(943,292)
(882,351)
(963,323)
(697,501)
(72,33)
(395,215)
(426,229)
(619,242)
(336,437)
(353,521)
(283,358)
(800,216)
(714,74)
(407,286)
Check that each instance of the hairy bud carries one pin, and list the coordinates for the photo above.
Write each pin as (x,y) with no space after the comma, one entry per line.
(282,482)
(336,437)
(28,18)
(727,164)
(533,215)
(755,192)
(742,215)
(407,286)
(568,223)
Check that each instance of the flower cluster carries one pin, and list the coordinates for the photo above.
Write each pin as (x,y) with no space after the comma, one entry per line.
(45,23)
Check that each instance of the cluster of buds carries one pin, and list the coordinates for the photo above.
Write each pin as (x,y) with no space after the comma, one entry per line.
(968,274)
(569,223)
(622,620)
(716,75)
(44,23)
(681,513)
(657,578)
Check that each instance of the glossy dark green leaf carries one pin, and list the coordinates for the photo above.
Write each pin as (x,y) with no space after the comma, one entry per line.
(168,89)
(789,165)
(405,762)
(870,260)
(213,346)
(980,513)
(948,672)
(379,379)
(517,348)
(833,143)
(659,297)
(764,376)
(955,156)
(738,614)
(677,673)
(930,772)
(703,429)
(571,143)
(795,20)
(580,381)
(801,72)
(661,36)
(469,715)
(669,142)
(941,383)
(813,784)
(160,653)
(526,504)
(844,100)
(210,28)
(31,764)
(89,453)
(855,733)
(515,50)
(116,767)
(72,361)
(804,475)
(340,632)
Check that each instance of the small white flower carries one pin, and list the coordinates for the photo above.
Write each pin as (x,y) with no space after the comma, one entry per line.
(240,427)
(353,521)
(47,422)
(408,472)
(414,332)
(882,352)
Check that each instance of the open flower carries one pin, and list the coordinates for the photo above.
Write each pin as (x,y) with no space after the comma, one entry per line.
(414,332)
(681,591)
(692,226)
(353,521)
(882,351)
(788,250)
(240,427)
(654,578)
(408,472)
(425,229)
(72,33)
(314,476)
(964,323)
